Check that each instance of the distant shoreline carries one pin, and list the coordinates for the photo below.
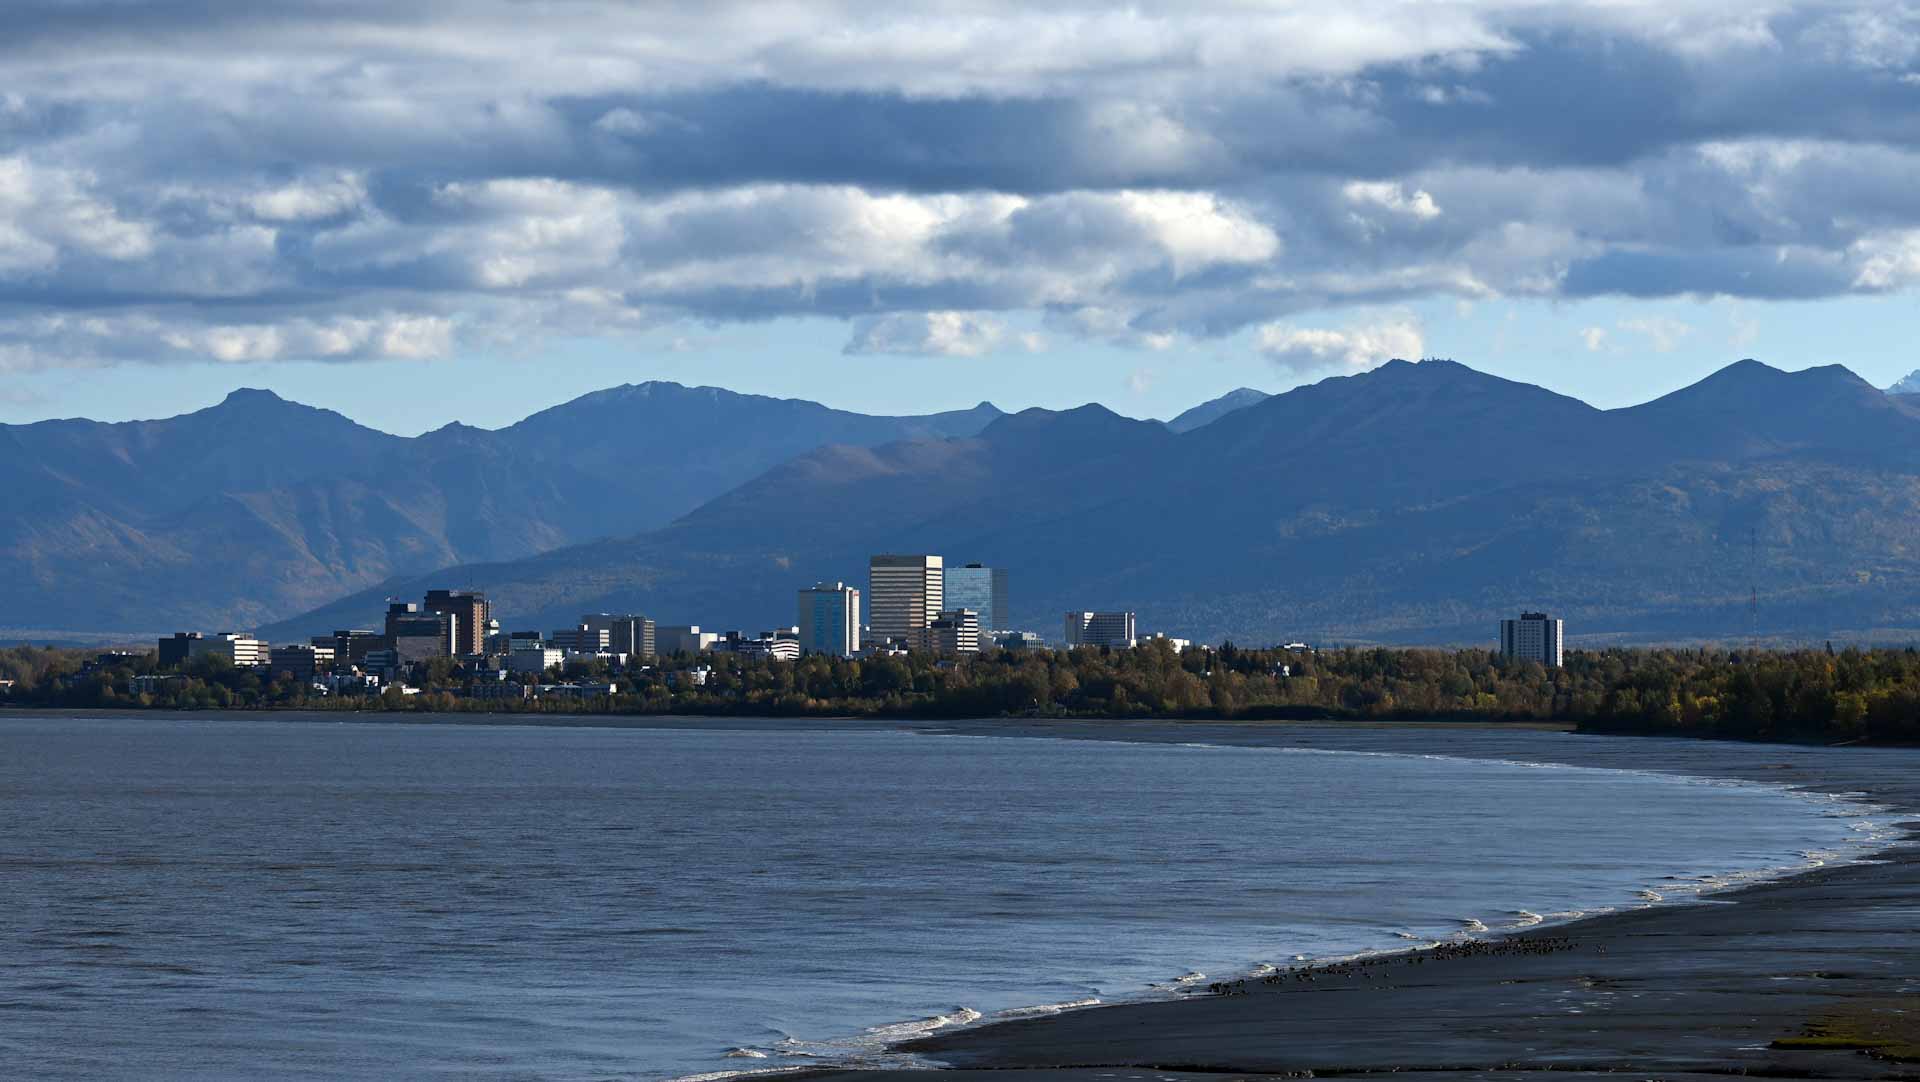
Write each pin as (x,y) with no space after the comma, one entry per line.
(618,720)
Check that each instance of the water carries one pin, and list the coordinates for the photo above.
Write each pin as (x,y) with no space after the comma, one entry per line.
(239,899)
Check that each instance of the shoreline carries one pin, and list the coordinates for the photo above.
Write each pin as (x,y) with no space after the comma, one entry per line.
(1650,989)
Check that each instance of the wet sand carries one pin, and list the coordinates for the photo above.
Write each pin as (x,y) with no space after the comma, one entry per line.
(1681,991)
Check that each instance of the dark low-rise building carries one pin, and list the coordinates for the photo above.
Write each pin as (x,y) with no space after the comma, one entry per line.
(176,648)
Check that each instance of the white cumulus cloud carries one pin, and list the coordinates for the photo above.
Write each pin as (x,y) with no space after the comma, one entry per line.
(933,334)
(1354,348)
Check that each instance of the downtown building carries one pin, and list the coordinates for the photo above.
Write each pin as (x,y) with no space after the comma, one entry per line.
(414,634)
(472,614)
(671,639)
(1534,637)
(829,619)
(953,632)
(350,646)
(237,647)
(303,663)
(904,594)
(780,644)
(1114,629)
(982,589)
(582,639)
(634,636)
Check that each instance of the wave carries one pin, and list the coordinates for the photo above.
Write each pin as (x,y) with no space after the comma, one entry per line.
(1523,918)
(906,1031)
(717,1076)
(744,1053)
(1472,926)
(1043,1009)
(1650,896)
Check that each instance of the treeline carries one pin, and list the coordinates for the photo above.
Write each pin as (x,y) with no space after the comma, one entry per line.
(1761,695)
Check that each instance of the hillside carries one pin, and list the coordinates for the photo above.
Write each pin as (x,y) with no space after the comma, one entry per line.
(1417,502)
(257,507)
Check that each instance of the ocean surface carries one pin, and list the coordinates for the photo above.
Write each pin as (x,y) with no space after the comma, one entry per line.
(217,898)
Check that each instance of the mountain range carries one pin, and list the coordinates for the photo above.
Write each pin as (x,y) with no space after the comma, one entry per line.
(258,508)
(1413,503)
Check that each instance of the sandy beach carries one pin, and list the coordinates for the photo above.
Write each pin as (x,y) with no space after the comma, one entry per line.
(1742,982)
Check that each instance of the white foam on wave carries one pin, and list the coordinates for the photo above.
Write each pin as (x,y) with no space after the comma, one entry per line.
(1043,1009)
(1523,918)
(717,1076)
(1650,896)
(744,1053)
(1472,926)
(1406,935)
(895,1032)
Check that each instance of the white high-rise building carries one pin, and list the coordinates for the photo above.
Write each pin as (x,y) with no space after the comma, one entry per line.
(1114,629)
(1534,637)
(830,619)
(904,594)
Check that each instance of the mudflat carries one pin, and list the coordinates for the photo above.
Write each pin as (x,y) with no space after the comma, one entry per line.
(1813,976)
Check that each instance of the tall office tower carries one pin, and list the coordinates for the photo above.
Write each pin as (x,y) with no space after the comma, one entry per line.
(416,635)
(635,636)
(982,589)
(1100,629)
(954,631)
(830,619)
(1534,637)
(472,612)
(904,594)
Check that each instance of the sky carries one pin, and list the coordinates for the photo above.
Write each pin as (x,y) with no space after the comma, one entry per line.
(435,211)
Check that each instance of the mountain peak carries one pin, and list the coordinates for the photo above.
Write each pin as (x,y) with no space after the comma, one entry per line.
(1213,409)
(1908,384)
(1088,422)
(252,396)
(1748,377)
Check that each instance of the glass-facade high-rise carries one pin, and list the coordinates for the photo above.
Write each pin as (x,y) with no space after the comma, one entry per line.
(982,589)
(830,619)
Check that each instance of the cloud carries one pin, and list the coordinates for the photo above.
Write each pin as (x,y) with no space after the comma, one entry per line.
(1595,338)
(1392,198)
(1354,348)
(1744,330)
(259,180)
(1662,332)
(931,334)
